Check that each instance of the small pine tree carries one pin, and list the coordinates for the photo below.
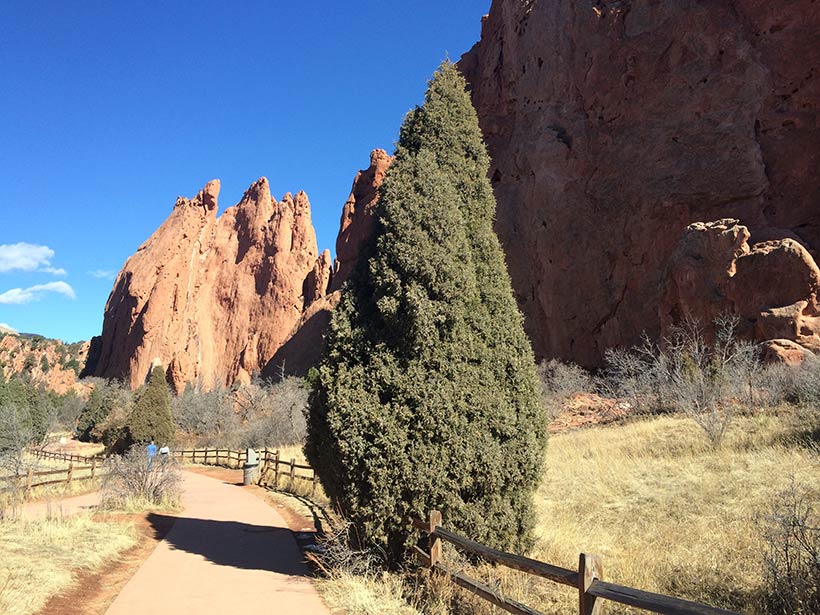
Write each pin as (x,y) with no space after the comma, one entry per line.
(151,417)
(427,395)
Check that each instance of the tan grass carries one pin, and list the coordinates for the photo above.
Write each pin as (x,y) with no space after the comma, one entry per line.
(40,558)
(667,512)
(365,595)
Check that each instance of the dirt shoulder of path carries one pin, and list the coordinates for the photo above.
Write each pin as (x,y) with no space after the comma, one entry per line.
(93,592)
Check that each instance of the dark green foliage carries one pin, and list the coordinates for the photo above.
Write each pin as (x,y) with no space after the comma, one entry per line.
(151,417)
(44,366)
(427,395)
(33,408)
(96,410)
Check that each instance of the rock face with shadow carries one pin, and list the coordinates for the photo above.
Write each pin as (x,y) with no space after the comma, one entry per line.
(212,298)
(303,348)
(615,124)
(217,300)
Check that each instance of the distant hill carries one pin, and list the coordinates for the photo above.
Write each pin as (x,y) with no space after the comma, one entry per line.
(48,362)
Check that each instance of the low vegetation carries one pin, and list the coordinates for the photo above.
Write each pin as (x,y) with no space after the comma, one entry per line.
(40,558)
(136,482)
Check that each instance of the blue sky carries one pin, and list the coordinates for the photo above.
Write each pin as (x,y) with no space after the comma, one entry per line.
(109,110)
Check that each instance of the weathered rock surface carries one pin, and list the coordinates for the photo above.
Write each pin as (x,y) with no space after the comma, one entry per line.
(303,348)
(772,285)
(613,125)
(357,224)
(788,353)
(220,299)
(212,298)
(46,362)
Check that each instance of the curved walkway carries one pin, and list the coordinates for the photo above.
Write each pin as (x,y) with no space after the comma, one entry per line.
(227,552)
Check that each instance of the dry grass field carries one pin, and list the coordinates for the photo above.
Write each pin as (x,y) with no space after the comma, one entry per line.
(40,558)
(666,511)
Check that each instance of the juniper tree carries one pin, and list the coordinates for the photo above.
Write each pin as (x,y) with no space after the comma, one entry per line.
(151,417)
(427,395)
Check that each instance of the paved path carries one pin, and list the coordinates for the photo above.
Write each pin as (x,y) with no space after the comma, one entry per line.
(228,552)
(59,507)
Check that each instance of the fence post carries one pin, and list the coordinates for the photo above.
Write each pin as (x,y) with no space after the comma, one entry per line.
(29,480)
(313,485)
(292,473)
(276,471)
(70,472)
(93,468)
(435,541)
(589,569)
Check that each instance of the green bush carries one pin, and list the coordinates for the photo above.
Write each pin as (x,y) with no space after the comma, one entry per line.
(427,396)
(151,416)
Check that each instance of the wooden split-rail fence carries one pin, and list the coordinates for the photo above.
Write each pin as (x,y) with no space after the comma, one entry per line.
(273,469)
(587,580)
(79,468)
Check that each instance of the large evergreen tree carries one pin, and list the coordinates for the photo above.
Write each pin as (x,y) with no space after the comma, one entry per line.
(427,395)
(151,417)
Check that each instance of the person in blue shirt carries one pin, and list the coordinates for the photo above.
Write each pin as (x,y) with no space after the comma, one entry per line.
(151,449)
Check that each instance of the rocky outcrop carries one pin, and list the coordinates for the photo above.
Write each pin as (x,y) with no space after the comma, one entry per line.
(788,353)
(303,348)
(45,362)
(211,298)
(356,227)
(220,299)
(613,125)
(771,285)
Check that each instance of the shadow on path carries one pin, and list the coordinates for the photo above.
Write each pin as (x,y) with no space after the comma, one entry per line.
(234,544)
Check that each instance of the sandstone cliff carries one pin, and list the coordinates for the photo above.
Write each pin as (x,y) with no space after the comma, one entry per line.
(46,362)
(210,298)
(772,285)
(613,125)
(302,349)
(221,299)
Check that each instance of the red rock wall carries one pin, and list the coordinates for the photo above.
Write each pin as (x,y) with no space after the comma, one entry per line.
(613,125)
(210,298)
(219,300)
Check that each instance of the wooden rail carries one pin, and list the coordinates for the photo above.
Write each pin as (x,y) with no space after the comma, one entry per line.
(272,468)
(28,481)
(587,579)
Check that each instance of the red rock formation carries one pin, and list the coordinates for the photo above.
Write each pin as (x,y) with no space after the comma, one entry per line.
(788,353)
(211,298)
(303,347)
(45,362)
(613,125)
(218,300)
(773,285)
(356,226)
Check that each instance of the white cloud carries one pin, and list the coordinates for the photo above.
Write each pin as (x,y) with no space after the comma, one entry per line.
(27,257)
(103,274)
(18,296)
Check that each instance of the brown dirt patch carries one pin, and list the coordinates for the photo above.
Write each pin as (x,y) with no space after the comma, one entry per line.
(94,592)
(588,409)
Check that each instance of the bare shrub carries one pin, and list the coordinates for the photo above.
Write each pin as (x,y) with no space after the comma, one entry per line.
(560,381)
(792,557)
(709,381)
(207,416)
(134,481)
(272,415)
(639,376)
